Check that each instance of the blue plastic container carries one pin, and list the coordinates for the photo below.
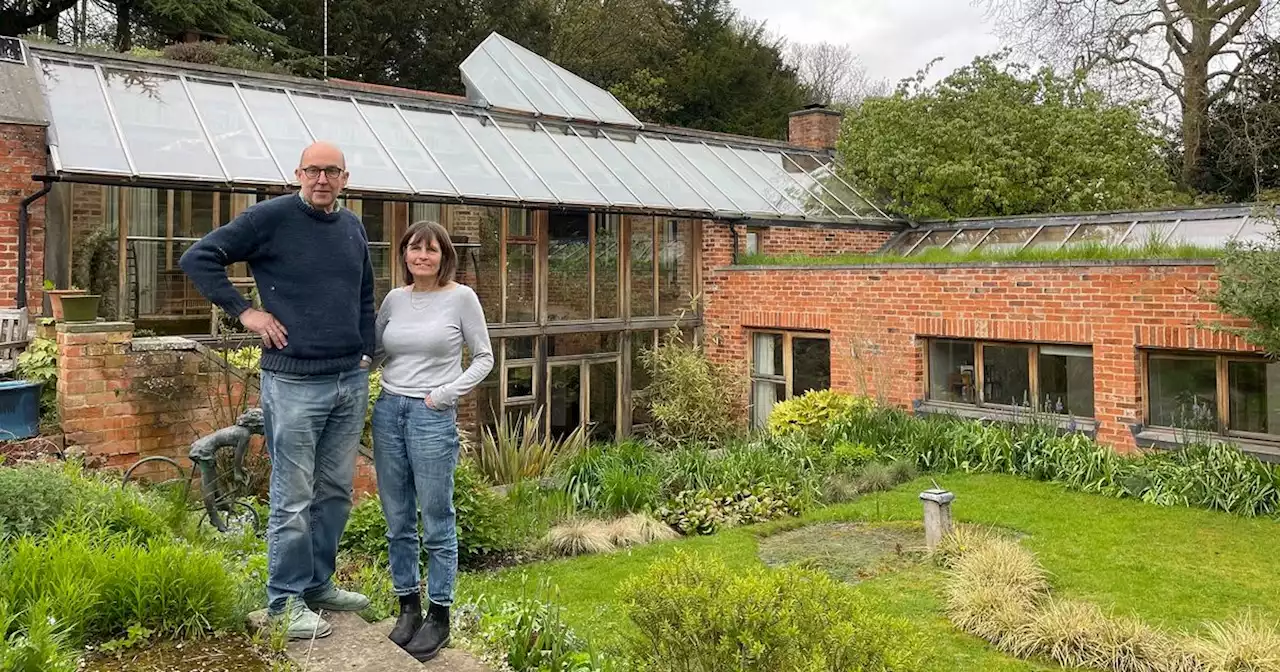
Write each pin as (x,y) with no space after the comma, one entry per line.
(19,409)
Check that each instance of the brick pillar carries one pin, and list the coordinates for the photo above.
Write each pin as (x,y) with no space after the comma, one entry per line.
(92,363)
(815,127)
(22,152)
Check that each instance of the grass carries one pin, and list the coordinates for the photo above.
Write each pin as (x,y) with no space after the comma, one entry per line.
(1172,567)
(1085,252)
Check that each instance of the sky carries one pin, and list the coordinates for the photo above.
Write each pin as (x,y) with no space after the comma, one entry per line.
(894,38)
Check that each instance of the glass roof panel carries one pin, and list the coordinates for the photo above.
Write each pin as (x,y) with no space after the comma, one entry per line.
(159,124)
(771,188)
(239,145)
(1097,234)
(540,83)
(677,165)
(399,139)
(596,171)
(472,173)
(1051,237)
(86,137)
(1006,240)
(631,174)
(736,185)
(566,181)
(1147,233)
(934,240)
(526,183)
(905,243)
(337,121)
(1257,230)
(837,194)
(783,177)
(672,184)
(967,239)
(534,84)
(1206,232)
(281,127)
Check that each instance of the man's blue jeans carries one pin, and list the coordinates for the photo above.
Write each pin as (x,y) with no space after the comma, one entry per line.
(415,452)
(313,426)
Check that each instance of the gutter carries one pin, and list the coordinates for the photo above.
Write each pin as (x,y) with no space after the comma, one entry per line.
(23,220)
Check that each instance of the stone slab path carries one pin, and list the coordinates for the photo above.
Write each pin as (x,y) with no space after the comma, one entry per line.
(358,646)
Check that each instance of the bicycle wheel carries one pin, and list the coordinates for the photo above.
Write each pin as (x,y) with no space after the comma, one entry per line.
(233,518)
(158,472)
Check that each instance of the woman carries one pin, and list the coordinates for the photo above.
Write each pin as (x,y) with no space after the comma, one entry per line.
(421,329)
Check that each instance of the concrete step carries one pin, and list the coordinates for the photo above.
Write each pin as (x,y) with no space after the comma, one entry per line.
(358,646)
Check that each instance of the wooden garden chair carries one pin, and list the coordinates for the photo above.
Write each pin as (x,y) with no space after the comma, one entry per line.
(13,337)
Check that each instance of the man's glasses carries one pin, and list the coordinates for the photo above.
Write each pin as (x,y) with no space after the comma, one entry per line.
(332,172)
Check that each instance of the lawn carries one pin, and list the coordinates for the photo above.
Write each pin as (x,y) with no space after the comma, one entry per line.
(1173,567)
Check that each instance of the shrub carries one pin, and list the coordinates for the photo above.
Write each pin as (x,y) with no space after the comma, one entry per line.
(34,497)
(40,648)
(691,398)
(639,528)
(695,613)
(96,586)
(811,412)
(615,479)
(233,56)
(515,453)
(847,455)
(705,512)
(37,496)
(481,516)
(581,537)
(529,634)
(38,363)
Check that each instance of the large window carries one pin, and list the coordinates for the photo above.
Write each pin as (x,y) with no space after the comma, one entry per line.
(1227,394)
(1054,379)
(786,364)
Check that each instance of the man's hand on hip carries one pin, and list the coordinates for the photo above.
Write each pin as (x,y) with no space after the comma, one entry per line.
(264,324)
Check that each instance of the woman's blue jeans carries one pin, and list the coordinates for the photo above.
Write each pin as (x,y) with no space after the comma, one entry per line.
(415,451)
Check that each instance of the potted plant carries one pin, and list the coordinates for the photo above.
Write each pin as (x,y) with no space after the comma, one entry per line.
(81,307)
(56,295)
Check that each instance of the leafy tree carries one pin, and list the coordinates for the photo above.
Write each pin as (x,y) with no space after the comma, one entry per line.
(1249,288)
(1190,48)
(153,23)
(20,16)
(997,139)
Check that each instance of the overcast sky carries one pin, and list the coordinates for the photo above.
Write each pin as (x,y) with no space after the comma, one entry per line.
(894,38)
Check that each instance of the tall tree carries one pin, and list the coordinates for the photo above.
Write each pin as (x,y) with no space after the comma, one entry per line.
(832,73)
(1193,49)
(18,17)
(1242,147)
(994,138)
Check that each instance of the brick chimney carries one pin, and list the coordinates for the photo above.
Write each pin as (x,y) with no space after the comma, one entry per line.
(815,127)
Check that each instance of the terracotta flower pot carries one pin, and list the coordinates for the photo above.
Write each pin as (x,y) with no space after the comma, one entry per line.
(55,299)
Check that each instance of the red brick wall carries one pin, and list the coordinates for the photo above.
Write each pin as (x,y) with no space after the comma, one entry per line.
(119,404)
(717,244)
(885,311)
(815,129)
(22,154)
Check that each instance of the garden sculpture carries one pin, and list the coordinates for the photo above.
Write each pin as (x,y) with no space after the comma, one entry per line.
(204,453)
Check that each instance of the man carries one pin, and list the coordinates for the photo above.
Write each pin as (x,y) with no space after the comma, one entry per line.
(310,261)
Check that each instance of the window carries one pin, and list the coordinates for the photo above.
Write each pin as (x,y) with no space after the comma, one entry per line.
(1055,379)
(753,241)
(785,365)
(1224,394)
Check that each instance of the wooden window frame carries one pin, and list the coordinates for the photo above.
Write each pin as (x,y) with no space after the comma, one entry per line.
(979,376)
(788,371)
(1221,391)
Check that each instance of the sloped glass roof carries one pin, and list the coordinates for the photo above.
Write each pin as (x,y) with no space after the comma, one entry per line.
(117,118)
(504,74)
(1207,227)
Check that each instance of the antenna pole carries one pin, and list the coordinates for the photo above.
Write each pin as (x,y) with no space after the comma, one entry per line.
(326,39)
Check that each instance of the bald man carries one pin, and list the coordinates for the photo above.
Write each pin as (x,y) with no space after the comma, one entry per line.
(310,262)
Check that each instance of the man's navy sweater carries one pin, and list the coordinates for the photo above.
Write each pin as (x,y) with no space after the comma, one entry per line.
(313,273)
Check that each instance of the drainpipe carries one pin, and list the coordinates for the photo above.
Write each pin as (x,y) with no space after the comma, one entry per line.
(23,218)
(733,235)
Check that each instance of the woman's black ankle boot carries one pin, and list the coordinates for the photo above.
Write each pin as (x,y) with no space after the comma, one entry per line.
(409,621)
(432,636)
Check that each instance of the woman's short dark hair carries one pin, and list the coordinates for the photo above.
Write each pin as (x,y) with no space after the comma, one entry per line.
(427,231)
